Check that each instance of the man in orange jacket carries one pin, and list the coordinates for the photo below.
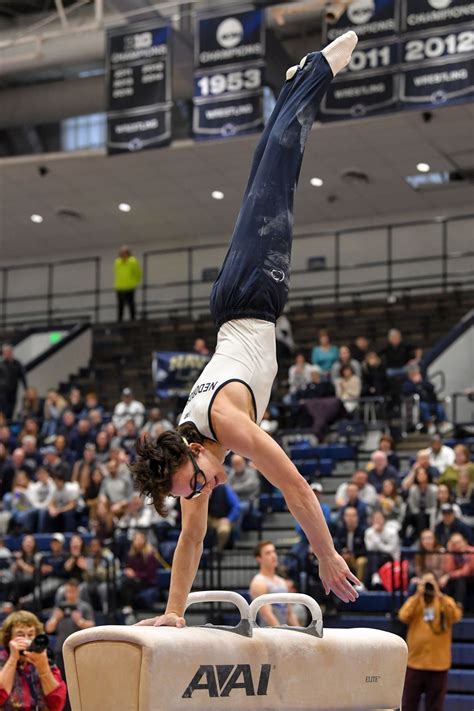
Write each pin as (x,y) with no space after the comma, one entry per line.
(430,616)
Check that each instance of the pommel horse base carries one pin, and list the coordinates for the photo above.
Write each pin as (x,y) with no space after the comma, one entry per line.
(242,668)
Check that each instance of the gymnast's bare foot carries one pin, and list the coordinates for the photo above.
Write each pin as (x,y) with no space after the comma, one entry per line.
(338,54)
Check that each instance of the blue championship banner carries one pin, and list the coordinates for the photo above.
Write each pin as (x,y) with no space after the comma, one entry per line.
(228,76)
(425,61)
(175,372)
(138,73)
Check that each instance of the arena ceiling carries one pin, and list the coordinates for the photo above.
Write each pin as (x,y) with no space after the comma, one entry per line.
(170,189)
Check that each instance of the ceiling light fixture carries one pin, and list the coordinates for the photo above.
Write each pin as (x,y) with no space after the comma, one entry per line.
(316,182)
(423,167)
(124,207)
(217,195)
(37,219)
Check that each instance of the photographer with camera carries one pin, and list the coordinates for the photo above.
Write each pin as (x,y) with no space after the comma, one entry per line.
(430,616)
(28,680)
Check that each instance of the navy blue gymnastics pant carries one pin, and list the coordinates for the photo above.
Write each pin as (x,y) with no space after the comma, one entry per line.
(254,279)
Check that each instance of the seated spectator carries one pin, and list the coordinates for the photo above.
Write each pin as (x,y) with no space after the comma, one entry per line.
(53,573)
(116,488)
(422,460)
(440,455)
(223,513)
(269,423)
(382,542)
(432,413)
(268,581)
(53,462)
(200,347)
(31,405)
(354,501)
(345,358)
(75,403)
(244,481)
(138,516)
(91,402)
(96,420)
(387,445)
(348,387)
(92,491)
(349,542)
(445,496)
(83,468)
(41,491)
(464,495)
(129,438)
(64,453)
(421,506)
(102,447)
(451,524)
(61,511)
(75,563)
(54,406)
(325,354)
(112,434)
(429,558)
(73,615)
(66,425)
(32,455)
(102,524)
(18,503)
(81,435)
(389,501)
(128,409)
(30,427)
(6,572)
(7,472)
(458,578)
(396,354)
(24,566)
(318,387)
(462,463)
(156,423)
(27,679)
(367,493)
(360,348)
(299,375)
(139,573)
(17,461)
(99,569)
(379,469)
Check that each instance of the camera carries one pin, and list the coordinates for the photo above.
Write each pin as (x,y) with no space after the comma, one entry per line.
(38,644)
(429,587)
(67,609)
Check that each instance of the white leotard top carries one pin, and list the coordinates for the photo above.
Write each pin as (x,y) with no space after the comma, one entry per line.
(245,353)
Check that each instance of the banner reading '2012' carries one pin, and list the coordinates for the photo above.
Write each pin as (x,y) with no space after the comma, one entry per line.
(138,88)
(228,75)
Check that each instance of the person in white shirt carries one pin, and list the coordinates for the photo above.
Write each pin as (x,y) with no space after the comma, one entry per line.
(367,492)
(441,456)
(299,374)
(41,491)
(128,409)
(381,537)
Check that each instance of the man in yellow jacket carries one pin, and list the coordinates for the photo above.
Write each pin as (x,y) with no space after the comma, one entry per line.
(127,276)
(430,616)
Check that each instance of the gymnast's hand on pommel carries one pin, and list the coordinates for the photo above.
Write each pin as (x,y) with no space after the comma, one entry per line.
(336,576)
(169,619)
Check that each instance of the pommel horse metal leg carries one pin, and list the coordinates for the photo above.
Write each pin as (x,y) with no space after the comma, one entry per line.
(248,668)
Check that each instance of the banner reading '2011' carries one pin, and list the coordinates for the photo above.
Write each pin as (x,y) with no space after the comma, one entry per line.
(138,88)
(228,74)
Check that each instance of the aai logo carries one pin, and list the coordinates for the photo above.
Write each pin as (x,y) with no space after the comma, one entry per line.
(219,680)
(230,33)
(360,11)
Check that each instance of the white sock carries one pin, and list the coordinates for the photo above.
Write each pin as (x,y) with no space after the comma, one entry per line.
(338,53)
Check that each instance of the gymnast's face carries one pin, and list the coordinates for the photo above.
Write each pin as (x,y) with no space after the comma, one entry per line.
(200,473)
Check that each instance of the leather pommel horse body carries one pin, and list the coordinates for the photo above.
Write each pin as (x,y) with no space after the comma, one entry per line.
(245,668)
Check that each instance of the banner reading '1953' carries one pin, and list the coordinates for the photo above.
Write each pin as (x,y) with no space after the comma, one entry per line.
(138,88)
(228,76)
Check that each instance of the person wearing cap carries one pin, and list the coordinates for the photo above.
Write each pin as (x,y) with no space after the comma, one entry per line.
(128,409)
(441,456)
(451,524)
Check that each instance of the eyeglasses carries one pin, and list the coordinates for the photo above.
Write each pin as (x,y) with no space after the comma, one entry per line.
(198,480)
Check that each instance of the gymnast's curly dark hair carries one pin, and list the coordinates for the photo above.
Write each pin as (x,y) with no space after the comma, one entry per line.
(158,459)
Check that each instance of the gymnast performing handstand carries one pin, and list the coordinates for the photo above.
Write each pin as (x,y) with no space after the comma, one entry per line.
(229,399)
